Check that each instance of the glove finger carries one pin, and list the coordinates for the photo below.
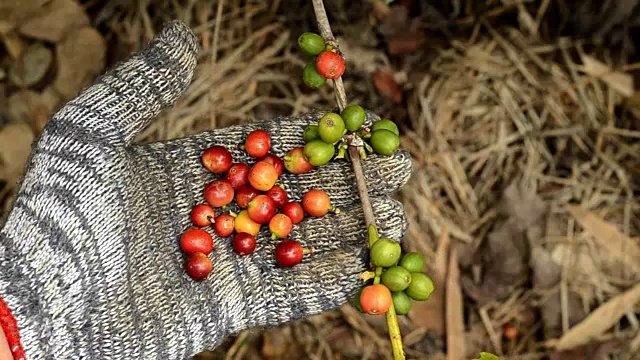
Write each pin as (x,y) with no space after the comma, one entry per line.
(125,99)
(344,231)
(286,294)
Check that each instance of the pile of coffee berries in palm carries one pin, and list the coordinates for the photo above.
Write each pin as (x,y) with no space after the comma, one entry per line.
(326,64)
(253,189)
(400,281)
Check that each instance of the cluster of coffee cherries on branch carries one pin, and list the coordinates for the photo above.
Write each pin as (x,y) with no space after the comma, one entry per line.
(398,279)
(326,64)
(333,134)
(261,201)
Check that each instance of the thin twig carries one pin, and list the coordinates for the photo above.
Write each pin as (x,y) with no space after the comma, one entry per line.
(354,155)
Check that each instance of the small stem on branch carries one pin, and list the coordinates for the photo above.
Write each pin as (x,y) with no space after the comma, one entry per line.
(354,155)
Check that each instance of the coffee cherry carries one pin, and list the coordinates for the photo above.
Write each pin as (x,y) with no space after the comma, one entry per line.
(296,163)
(330,65)
(510,331)
(353,116)
(244,195)
(294,211)
(310,133)
(280,226)
(275,161)
(421,287)
(224,226)
(384,142)
(401,302)
(311,77)
(316,203)
(216,159)
(331,128)
(318,152)
(278,195)
(243,223)
(218,193)
(198,266)
(310,43)
(196,240)
(385,124)
(375,299)
(202,215)
(396,278)
(238,175)
(244,243)
(263,176)
(385,252)
(261,209)
(288,253)
(413,262)
(258,143)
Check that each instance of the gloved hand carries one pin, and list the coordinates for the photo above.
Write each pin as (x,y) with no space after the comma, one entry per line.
(90,265)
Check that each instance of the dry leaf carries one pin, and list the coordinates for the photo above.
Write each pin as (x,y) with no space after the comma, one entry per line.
(14,45)
(456,349)
(403,34)
(387,85)
(32,65)
(54,20)
(609,239)
(600,320)
(583,269)
(430,314)
(360,58)
(13,12)
(16,142)
(522,205)
(476,339)
(507,249)
(32,106)
(619,81)
(80,58)
(593,351)
(546,277)
(277,343)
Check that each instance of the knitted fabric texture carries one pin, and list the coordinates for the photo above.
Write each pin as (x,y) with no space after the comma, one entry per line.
(90,264)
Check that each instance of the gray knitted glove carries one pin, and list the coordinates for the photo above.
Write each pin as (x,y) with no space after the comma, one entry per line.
(90,265)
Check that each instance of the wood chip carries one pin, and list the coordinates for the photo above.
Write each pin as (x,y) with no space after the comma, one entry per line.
(456,349)
(619,81)
(610,240)
(54,20)
(80,58)
(599,321)
(32,66)
(16,142)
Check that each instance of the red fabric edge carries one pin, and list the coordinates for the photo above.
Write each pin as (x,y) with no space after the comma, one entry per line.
(10,329)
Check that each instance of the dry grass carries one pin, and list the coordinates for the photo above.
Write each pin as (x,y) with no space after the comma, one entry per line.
(506,131)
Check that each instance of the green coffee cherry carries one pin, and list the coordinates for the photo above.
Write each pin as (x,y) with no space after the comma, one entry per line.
(318,152)
(331,128)
(354,117)
(311,43)
(421,287)
(401,302)
(413,262)
(384,142)
(310,133)
(311,77)
(385,252)
(387,125)
(396,278)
